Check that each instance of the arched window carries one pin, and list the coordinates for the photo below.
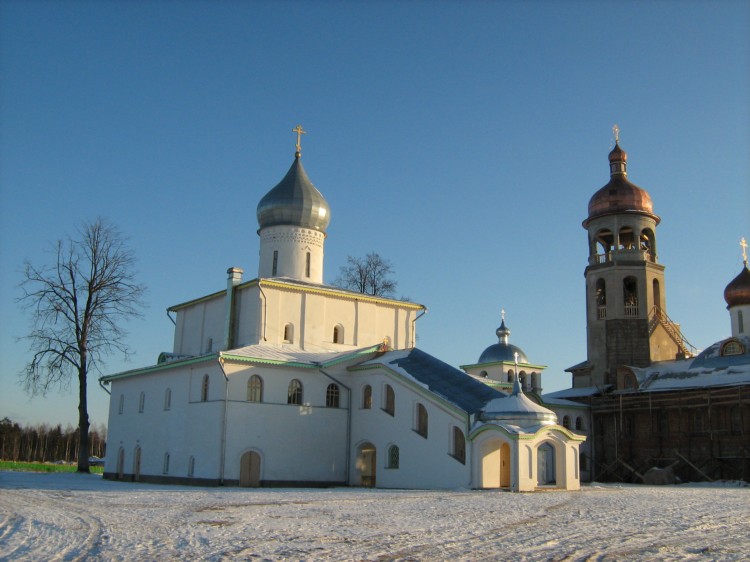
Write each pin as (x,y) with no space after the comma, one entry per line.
(523,379)
(732,347)
(165,468)
(191,467)
(648,244)
(393,459)
(656,288)
(209,345)
(458,450)
(367,397)
(295,393)
(338,334)
(289,333)
(307,264)
(141,402)
(120,463)
(579,423)
(630,294)
(168,399)
(605,241)
(566,422)
(204,389)
(332,396)
(421,421)
(121,405)
(275,265)
(390,400)
(510,375)
(601,299)
(255,389)
(740,322)
(626,238)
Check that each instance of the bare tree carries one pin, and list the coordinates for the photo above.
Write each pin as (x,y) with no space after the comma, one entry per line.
(369,275)
(78,305)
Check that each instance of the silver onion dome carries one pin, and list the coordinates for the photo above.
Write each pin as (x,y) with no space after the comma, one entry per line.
(502,350)
(295,202)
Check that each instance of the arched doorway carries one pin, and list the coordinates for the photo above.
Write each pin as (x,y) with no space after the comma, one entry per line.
(545,462)
(366,465)
(137,464)
(250,470)
(491,453)
(505,466)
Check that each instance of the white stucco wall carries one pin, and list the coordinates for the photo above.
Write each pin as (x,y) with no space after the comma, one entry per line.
(304,443)
(195,325)
(423,463)
(188,428)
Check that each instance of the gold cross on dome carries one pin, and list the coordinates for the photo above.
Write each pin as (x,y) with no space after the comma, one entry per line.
(616,132)
(743,245)
(300,131)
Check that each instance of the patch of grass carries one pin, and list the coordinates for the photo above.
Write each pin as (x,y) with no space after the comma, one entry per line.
(44,467)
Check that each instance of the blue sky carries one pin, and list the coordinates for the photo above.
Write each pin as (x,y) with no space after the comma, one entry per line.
(462,141)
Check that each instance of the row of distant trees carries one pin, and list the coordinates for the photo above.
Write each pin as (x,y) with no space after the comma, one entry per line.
(47,443)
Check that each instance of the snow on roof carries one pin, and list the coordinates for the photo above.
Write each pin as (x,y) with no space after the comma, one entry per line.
(574,393)
(673,375)
(446,381)
(552,401)
(291,355)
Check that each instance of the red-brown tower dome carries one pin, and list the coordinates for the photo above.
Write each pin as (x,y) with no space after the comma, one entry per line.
(738,290)
(620,195)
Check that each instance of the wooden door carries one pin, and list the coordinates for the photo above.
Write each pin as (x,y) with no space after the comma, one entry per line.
(250,470)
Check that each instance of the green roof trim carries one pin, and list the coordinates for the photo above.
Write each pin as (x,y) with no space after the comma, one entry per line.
(489,426)
(309,365)
(160,367)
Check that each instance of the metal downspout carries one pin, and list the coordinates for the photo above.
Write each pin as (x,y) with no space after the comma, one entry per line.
(104,388)
(222,458)
(263,316)
(414,327)
(348,421)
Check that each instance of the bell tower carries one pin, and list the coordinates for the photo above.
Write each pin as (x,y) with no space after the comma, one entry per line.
(626,319)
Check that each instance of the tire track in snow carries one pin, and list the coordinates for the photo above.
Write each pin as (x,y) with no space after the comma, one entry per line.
(45,528)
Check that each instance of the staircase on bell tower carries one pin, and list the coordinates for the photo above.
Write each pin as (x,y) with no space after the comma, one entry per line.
(626,320)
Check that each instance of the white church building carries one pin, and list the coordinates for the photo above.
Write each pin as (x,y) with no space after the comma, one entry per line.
(285,381)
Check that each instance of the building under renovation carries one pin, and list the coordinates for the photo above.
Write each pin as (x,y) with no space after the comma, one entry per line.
(654,400)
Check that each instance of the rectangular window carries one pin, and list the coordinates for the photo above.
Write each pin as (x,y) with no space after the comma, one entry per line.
(275,267)
(307,265)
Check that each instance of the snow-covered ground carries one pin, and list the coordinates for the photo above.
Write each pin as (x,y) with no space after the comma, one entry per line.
(80,517)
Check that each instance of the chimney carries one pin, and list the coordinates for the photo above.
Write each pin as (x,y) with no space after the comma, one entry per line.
(234,278)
